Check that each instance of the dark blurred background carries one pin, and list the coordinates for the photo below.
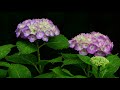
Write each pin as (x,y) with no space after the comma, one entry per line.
(69,23)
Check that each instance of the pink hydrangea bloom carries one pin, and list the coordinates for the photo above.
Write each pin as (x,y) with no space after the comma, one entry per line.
(92,43)
(37,29)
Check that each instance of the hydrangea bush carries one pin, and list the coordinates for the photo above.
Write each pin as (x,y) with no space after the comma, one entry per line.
(94,58)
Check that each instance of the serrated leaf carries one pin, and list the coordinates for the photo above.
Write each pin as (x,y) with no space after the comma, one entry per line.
(5,64)
(58,42)
(61,74)
(22,58)
(70,62)
(26,47)
(85,59)
(3,73)
(5,49)
(55,60)
(18,71)
(46,75)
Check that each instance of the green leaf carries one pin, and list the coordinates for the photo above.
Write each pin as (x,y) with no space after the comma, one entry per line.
(59,59)
(114,60)
(85,59)
(60,74)
(58,42)
(26,47)
(95,71)
(79,76)
(5,64)
(3,73)
(73,59)
(22,58)
(46,75)
(108,70)
(18,71)
(42,64)
(112,67)
(70,62)
(70,56)
(5,49)
(68,72)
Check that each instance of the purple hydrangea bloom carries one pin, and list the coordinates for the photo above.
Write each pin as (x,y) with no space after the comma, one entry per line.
(37,29)
(92,43)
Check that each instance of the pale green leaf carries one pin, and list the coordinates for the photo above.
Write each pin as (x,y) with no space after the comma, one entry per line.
(4,64)
(5,49)
(68,72)
(85,59)
(18,71)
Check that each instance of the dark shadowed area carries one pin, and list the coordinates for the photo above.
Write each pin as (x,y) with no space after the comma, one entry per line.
(69,23)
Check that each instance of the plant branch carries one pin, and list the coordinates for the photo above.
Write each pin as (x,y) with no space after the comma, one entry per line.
(36,68)
(41,45)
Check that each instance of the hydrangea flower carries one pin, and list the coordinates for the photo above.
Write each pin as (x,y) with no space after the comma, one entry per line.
(92,43)
(37,29)
(99,61)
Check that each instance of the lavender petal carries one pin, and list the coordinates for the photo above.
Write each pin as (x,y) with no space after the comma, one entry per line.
(39,35)
(32,38)
(45,38)
(92,48)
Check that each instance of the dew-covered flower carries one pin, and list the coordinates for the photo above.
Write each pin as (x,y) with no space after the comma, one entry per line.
(37,29)
(92,43)
(99,61)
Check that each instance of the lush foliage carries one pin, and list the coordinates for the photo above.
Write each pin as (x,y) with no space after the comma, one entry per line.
(26,61)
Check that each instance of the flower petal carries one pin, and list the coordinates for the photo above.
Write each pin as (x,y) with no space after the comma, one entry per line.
(92,48)
(40,35)
(32,38)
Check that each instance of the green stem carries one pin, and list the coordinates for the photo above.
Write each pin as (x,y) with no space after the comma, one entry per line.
(37,69)
(41,45)
(85,72)
(38,54)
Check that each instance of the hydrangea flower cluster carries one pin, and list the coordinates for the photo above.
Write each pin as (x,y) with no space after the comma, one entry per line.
(99,61)
(92,43)
(37,29)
